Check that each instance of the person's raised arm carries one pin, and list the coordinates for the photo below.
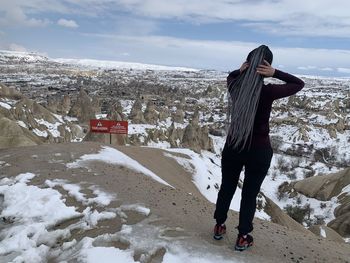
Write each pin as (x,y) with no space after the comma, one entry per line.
(234,74)
(277,91)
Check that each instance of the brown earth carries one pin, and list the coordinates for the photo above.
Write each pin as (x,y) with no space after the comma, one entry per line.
(182,206)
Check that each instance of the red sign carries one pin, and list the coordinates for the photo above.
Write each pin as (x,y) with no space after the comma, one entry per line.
(109,126)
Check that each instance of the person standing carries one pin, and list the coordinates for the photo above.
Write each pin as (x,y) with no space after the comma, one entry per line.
(248,144)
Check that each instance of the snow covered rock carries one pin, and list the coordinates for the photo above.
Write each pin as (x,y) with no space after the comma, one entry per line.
(326,187)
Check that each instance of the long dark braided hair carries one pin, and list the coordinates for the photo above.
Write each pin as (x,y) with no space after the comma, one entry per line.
(244,95)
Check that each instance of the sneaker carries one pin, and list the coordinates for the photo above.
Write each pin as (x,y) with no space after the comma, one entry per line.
(243,243)
(219,231)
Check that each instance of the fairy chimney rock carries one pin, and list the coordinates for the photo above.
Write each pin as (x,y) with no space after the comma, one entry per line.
(178,116)
(151,115)
(136,114)
(115,112)
(83,108)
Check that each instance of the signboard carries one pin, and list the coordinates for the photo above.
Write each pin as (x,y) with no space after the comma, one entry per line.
(109,126)
(119,127)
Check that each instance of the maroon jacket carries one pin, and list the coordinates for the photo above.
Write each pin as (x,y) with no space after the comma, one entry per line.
(269,93)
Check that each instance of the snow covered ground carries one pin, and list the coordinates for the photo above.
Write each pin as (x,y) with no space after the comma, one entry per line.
(118,64)
(206,168)
(31,233)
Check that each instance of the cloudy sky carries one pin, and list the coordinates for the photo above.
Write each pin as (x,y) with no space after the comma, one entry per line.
(306,37)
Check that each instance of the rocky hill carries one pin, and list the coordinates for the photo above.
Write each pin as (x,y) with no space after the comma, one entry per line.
(46,101)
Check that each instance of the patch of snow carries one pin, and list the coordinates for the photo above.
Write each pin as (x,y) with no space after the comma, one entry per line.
(70,119)
(5,105)
(52,127)
(92,217)
(22,124)
(160,144)
(127,106)
(72,189)
(206,171)
(113,156)
(101,198)
(140,128)
(149,238)
(31,224)
(101,116)
(59,117)
(91,254)
(40,133)
(323,232)
(138,208)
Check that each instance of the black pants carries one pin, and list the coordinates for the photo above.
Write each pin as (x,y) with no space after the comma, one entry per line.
(256,163)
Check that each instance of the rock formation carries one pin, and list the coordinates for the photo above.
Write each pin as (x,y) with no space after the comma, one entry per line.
(65,105)
(326,232)
(136,114)
(12,135)
(278,216)
(60,106)
(151,115)
(324,188)
(164,113)
(10,93)
(83,108)
(115,112)
(179,115)
(31,123)
(196,137)
(174,136)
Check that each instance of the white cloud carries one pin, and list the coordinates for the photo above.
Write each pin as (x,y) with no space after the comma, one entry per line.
(283,17)
(344,70)
(307,67)
(13,14)
(223,55)
(67,23)
(5,45)
(327,69)
(140,19)
(16,47)
(134,26)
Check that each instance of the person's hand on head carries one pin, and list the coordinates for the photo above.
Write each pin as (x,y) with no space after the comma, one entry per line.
(265,69)
(244,66)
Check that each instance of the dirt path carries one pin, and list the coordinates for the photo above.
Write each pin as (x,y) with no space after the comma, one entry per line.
(181,207)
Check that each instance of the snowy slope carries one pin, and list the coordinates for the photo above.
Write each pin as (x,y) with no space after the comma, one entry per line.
(30,233)
(106,64)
